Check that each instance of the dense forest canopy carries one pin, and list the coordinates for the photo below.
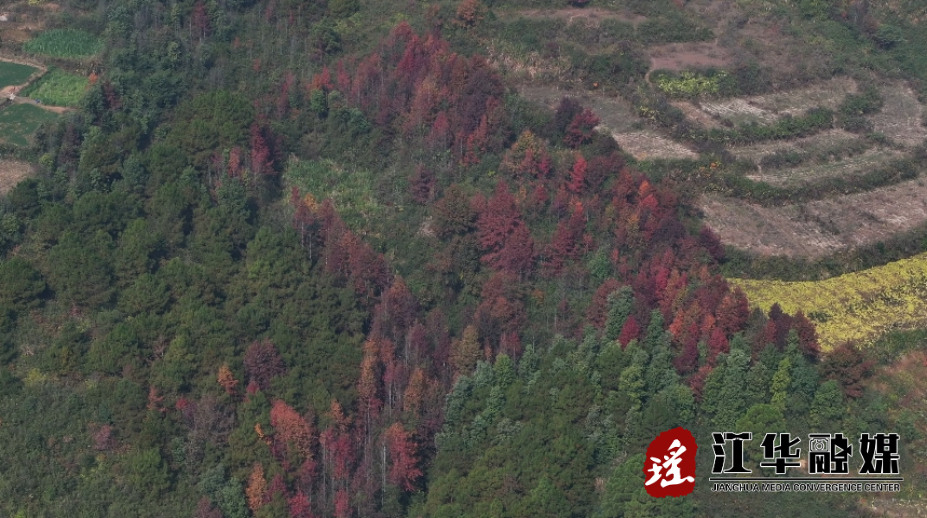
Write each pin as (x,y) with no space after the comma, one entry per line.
(322,259)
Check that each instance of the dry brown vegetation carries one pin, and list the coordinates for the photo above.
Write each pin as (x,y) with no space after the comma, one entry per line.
(647,144)
(901,118)
(24,20)
(11,173)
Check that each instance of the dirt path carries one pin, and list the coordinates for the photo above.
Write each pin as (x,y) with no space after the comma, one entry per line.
(54,109)
(821,227)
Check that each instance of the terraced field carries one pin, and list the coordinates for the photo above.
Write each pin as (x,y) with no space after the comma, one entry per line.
(835,167)
(901,119)
(648,144)
(819,143)
(819,159)
(738,111)
(58,88)
(823,94)
(821,227)
(766,109)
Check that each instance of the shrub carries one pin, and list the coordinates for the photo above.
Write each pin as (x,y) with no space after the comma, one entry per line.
(888,36)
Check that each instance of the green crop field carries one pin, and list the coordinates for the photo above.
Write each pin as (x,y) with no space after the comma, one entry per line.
(19,121)
(58,88)
(65,43)
(14,73)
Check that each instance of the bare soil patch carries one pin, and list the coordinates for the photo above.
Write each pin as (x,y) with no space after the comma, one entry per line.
(685,56)
(647,144)
(11,173)
(838,167)
(901,118)
(587,15)
(821,227)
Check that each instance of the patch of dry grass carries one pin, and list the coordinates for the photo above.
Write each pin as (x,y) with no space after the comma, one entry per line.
(901,118)
(11,173)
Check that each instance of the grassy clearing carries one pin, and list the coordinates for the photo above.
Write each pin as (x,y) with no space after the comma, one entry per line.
(19,121)
(65,43)
(350,190)
(14,73)
(58,88)
(857,307)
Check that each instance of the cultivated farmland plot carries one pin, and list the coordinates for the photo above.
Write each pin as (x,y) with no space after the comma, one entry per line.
(817,144)
(19,121)
(58,88)
(12,74)
(840,167)
(825,94)
(738,111)
(64,43)
(820,227)
(766,109)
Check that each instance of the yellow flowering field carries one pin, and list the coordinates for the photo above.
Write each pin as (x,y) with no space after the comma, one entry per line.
(855,307)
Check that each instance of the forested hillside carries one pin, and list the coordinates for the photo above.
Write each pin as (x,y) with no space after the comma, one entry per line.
(311,259)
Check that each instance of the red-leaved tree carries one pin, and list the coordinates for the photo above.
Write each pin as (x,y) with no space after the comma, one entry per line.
(580,129)
(403,462)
